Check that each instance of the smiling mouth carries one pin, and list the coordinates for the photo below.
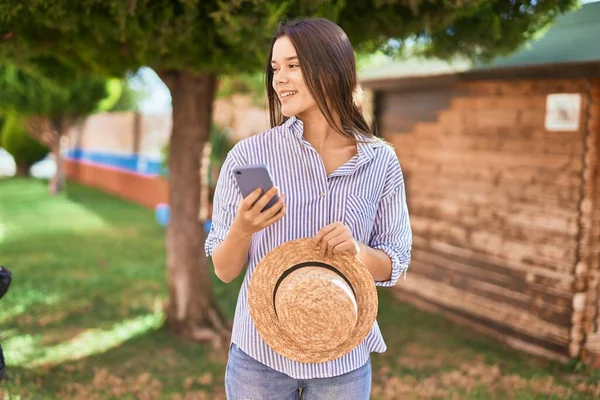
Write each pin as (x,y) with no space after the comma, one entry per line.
(287,95)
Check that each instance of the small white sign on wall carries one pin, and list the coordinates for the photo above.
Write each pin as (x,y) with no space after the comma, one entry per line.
(563,111)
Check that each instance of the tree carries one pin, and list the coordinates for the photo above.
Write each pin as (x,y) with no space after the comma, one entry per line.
(191,42)
(122,95)
(25,150)
(49,108)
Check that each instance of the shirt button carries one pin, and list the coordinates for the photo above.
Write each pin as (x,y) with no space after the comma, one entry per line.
(323,194)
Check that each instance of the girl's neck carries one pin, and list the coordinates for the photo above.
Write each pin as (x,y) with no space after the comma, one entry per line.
(319,133)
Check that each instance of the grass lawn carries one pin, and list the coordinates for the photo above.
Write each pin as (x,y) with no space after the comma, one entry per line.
(83,318)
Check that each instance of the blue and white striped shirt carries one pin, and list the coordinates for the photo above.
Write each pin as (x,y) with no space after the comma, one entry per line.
(366,193)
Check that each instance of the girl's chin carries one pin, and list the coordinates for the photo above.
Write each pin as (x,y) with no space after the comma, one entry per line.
(288,111)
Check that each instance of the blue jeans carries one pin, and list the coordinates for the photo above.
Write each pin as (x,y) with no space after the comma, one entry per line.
(248,379)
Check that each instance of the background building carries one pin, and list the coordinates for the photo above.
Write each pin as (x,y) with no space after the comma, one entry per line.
(501,165)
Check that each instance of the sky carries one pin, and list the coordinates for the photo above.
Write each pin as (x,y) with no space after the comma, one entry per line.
(158,99)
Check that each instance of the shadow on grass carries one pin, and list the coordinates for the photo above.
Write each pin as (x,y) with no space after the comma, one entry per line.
(130,368)
(111,209)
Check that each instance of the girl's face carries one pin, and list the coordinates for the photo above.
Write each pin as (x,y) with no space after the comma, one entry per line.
(288,81)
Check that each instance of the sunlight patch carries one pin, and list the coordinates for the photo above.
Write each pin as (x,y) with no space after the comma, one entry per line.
(27,299)
(83,218)
(98,341)
(19,349)
(53,218)
(90,342)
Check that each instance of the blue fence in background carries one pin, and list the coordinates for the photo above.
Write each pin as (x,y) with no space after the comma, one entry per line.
(131,162)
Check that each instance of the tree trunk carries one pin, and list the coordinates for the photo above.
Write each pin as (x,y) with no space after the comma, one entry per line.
(57,183)
(44,131)
(191,311)
(22,169)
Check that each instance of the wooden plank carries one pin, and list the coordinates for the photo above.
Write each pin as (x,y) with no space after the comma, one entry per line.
(553,230)
(503,334)
(498,198)
(536,305)
(400,110)
(557,282)
(497,243)
(483,308)
(509,278)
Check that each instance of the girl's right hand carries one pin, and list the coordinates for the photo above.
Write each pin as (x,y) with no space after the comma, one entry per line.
(250,219)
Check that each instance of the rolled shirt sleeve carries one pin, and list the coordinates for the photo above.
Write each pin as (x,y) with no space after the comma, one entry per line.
(226,199)
(391,231)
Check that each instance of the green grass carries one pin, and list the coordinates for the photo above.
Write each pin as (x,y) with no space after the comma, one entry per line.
(83,318)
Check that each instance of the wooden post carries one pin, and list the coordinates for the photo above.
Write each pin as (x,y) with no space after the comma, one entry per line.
(591,351)
(137,132)
(583,271)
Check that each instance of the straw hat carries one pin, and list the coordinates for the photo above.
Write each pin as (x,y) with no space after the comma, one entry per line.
(311,308)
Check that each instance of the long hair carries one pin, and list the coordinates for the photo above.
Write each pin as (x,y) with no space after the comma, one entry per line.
(329,70)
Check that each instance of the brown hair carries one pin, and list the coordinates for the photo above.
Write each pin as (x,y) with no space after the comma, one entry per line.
(329,70)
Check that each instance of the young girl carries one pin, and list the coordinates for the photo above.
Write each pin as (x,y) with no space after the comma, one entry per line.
(339,185)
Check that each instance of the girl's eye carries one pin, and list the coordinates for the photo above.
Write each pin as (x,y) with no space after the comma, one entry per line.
(291,66)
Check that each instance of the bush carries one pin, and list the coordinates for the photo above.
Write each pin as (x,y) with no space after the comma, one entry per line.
(25,150)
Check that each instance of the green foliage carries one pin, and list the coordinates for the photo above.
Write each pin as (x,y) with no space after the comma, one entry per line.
(29,92)
(128,100)
(15,140)
(220,143)
(83,95)
(493,28)
(249,83)
(114,90)
(2,118)
(232,37)
(121,96)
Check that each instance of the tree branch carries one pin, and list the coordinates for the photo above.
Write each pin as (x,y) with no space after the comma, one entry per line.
(41,129)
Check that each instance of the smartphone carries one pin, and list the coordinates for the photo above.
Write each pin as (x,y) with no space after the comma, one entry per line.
(251,177)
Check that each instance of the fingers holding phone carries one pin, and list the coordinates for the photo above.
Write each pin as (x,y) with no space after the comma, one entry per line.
(262,205)
(252,216)
(274,213)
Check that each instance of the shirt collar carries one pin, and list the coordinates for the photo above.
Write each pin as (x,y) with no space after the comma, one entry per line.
(295,126)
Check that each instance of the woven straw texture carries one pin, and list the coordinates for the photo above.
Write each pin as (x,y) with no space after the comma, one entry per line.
(314,315)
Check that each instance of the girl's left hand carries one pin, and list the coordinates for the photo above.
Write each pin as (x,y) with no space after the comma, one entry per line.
(336,238)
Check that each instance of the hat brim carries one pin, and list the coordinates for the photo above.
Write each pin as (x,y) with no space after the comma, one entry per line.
(265,278)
